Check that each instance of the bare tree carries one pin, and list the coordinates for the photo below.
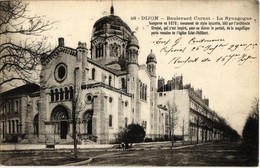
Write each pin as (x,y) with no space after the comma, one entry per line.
(77,108)
(19,59)
(255,108)
(173,119)
(183,126)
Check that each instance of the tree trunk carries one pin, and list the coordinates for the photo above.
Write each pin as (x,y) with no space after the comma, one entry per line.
(74,130)
(173,137)
(182,132)
(197,131)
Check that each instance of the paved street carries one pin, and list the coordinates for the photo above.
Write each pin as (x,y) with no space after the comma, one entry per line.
(216,154)
(211,154)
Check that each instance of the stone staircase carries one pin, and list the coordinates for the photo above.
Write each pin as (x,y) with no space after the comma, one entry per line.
(87,142)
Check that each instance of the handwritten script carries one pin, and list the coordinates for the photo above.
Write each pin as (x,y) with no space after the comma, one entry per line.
(182,51)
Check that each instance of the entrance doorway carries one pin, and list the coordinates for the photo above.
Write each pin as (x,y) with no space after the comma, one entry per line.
(87,121)
(90,126)
(60,117)
(63,129)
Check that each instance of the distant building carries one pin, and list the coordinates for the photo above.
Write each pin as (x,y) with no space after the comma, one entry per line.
(195,120)
(19,112)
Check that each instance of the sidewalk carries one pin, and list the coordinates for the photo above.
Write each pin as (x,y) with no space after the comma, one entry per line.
(22,147)
(105,147)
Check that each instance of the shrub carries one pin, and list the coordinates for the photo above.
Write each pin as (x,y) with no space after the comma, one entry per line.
(166,137)
(148,140)
(134,133)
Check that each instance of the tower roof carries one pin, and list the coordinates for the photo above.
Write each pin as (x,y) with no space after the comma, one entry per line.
(133,41)
(151,57)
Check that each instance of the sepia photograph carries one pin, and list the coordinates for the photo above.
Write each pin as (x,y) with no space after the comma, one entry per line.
(129,83)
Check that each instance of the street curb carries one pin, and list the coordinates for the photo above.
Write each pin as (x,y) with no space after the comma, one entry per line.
(80,163)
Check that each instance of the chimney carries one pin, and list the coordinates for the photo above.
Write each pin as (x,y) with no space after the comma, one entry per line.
(61,41)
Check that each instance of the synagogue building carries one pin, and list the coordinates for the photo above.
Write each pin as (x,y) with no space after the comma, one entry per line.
(106,92)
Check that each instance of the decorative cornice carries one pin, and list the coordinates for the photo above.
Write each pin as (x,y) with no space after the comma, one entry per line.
(45,60)
(100,84)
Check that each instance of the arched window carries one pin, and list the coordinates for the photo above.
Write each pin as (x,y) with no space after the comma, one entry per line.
(61,94)
(110,120)
(71,92)
(145,92)
(13,126)
(115,50)
(109,80)
(99,50)
(56,94)
(17,126)
(123,83)
(126,121)
(93,73)
(36,124)
(66,93)
(52,95)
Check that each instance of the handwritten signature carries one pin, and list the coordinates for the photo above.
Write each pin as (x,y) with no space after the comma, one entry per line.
(238,52)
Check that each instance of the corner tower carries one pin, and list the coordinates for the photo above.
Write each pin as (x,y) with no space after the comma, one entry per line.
(132,55)
(151,68)
(132,69)
(151,64)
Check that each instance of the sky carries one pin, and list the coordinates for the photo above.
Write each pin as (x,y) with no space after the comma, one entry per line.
(231,88)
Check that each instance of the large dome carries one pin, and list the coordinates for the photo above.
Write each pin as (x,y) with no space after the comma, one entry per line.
(110,38)
(112,20)
(111,25)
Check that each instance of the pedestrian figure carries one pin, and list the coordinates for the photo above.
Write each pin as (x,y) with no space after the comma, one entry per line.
(123,145)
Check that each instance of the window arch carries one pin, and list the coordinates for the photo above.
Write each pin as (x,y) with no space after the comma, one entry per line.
(52,95)
(61,94)
(71,92)
(99,50)
(36,124)
(123,83)
(115,50)
(110,120)
(56,95)
(66,93)
(143,91)
(109,80)
(93,73)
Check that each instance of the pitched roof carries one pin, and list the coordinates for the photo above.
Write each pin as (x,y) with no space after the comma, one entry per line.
(24,89)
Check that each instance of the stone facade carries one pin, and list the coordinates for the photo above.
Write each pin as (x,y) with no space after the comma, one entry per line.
(110,89)
(106,91)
